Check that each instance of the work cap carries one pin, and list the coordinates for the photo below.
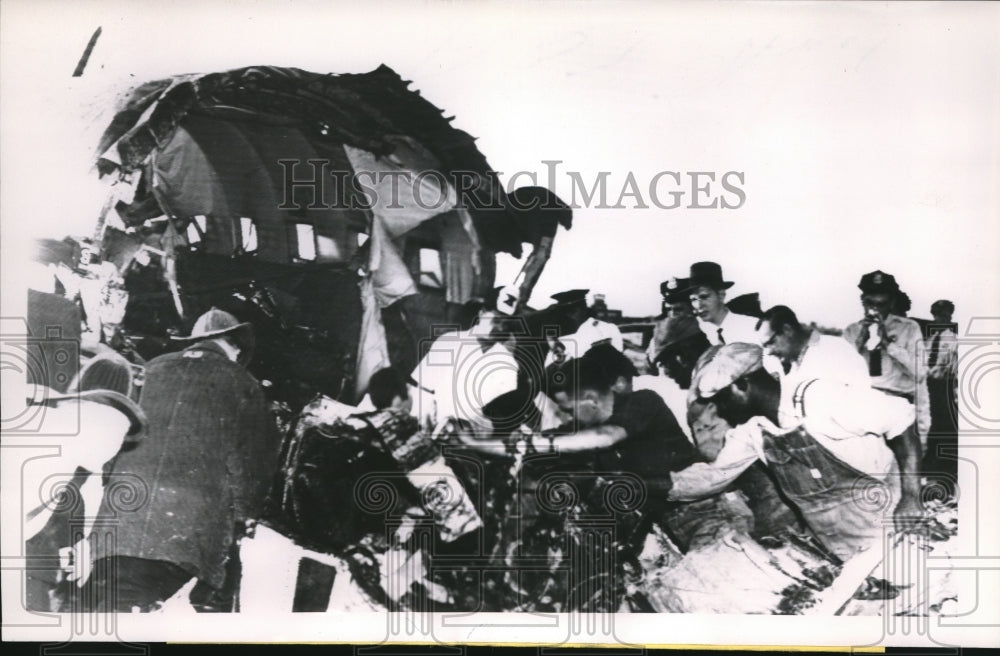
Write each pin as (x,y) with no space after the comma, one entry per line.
(725,366)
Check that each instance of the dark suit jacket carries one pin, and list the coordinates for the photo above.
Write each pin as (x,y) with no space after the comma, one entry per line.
(205,465)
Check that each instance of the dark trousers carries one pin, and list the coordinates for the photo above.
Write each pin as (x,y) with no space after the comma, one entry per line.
(940,463)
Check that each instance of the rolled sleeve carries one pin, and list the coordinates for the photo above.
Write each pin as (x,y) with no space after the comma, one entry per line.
(908,351)
(704,479)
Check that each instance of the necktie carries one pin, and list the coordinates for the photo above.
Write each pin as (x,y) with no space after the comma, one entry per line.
(935,349)
(722,340)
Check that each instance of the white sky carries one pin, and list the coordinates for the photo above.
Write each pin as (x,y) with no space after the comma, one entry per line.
(867,133)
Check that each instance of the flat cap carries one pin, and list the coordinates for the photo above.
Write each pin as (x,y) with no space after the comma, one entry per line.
(724,367)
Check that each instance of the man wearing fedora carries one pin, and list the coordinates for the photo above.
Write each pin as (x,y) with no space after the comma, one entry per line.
(206,465)
(707,292)
(892,346)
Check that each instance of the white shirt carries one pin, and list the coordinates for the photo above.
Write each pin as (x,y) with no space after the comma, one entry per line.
(87,434)
(590,333)
(946,364)
(904,364)
(829,358)
(851,422)
(735,328)
(457,378)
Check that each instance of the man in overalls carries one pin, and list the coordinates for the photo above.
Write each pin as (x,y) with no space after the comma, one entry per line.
(845,456)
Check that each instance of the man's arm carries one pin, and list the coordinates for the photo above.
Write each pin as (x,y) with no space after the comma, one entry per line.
(906,447)
(914,360)
(922,404)
(704,479)
(907,349)
(590,439)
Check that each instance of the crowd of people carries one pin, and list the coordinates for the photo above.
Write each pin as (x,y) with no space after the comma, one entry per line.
(756,425)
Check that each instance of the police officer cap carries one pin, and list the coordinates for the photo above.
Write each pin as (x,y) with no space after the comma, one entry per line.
(675,290)
(878,282)
(571,297)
